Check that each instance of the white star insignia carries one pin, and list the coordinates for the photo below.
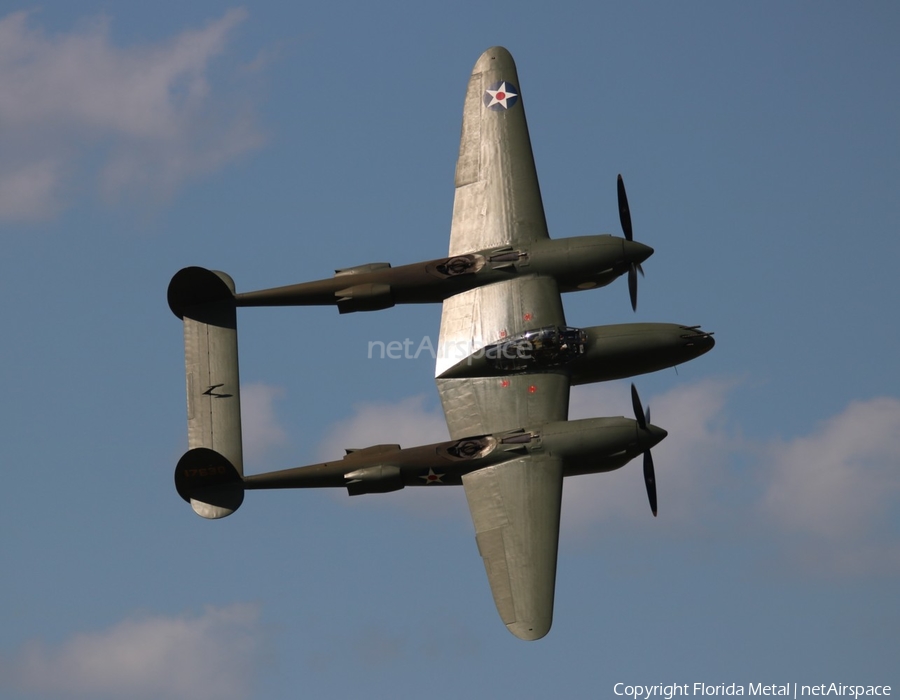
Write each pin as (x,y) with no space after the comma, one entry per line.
(431,477)
(501,96)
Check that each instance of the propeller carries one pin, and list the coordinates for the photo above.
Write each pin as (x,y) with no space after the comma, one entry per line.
(625,220)
(643,420)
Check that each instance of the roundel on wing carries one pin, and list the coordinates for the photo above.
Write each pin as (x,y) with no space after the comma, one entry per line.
(501,96)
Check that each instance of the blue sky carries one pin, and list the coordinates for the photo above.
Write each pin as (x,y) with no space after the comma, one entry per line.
(760,146)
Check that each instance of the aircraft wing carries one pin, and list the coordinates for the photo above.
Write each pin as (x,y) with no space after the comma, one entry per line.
(474,319)
(498,200)
(515,507)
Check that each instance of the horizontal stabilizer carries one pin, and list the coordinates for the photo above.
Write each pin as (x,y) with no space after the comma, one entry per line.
(204,300)
(209,482)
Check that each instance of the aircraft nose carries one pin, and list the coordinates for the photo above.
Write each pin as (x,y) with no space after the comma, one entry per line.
(699,340)
(636,252)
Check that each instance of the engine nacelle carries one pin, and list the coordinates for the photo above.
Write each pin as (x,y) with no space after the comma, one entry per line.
(365,297)
(381,478)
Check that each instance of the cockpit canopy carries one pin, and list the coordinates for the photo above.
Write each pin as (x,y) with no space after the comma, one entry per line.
(542,348)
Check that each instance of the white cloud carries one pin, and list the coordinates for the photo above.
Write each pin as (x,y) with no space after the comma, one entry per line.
(827,500)
(379,640)
(27,192)
(261,430)
(215,655)
(148,116)
(408,423)
(840,486)
(842,478)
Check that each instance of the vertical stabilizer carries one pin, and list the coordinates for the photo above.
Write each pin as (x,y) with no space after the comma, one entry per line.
(204,300)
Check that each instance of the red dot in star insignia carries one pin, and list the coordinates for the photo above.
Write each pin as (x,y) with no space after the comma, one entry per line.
(432,477)
(500,96)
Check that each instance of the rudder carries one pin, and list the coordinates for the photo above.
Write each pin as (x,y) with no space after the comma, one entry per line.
(209,482)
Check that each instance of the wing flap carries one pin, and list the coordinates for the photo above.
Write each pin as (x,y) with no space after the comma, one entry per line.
(515,508)
(485,405)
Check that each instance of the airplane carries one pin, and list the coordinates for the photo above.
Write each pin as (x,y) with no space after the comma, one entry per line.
(506,362)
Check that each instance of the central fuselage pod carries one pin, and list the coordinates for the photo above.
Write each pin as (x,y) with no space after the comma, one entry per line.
(595,354)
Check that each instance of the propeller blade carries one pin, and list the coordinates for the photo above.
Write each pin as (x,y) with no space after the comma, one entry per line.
(643,420)
(632,286)
(624,211)
(650,480)
(638,409)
